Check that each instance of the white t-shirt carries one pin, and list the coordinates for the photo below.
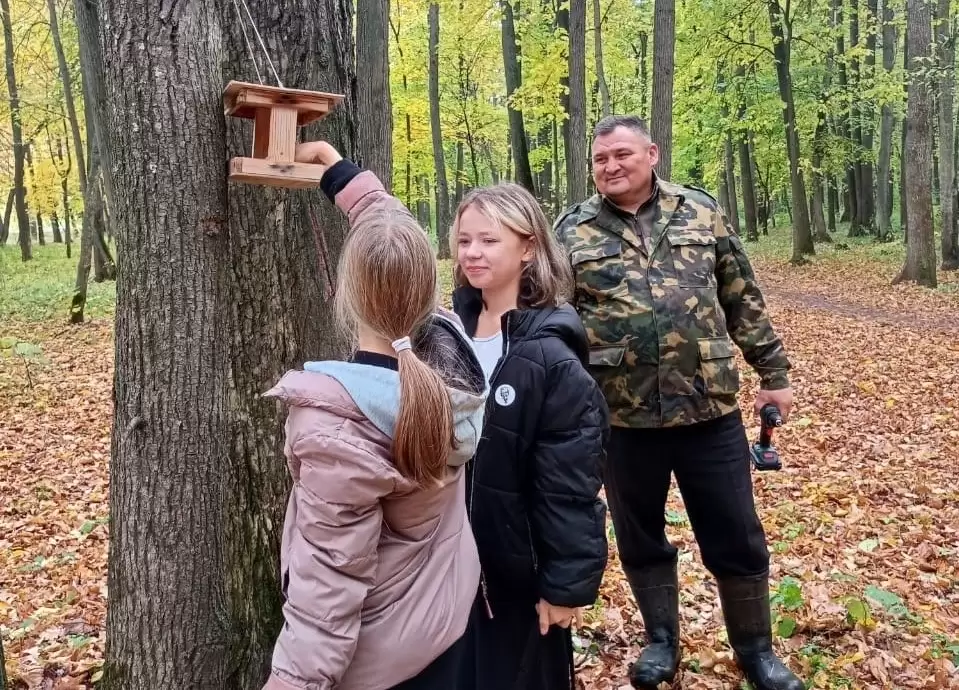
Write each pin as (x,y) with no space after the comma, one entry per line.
(488,351)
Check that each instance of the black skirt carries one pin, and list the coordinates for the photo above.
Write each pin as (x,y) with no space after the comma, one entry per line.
(439,675)
(507,652)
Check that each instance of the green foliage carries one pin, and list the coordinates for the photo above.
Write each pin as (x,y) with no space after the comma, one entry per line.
(42,288)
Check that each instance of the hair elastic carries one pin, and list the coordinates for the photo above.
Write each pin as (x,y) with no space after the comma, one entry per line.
(401,344)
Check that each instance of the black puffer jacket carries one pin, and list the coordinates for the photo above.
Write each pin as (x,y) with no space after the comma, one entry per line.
(533,491)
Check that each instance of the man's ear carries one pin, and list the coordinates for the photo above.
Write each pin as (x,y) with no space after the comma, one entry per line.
(653,155)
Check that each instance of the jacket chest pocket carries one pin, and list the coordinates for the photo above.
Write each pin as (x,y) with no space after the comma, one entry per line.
(693,255)
(600,271)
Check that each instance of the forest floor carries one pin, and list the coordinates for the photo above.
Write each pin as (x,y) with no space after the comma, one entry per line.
(862,521)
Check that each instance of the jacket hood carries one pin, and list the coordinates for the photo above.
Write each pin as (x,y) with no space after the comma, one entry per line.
(376,390)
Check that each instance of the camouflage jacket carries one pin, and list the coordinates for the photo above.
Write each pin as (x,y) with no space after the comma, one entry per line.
(661,328)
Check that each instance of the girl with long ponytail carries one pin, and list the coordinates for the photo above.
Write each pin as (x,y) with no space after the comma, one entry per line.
(379,566)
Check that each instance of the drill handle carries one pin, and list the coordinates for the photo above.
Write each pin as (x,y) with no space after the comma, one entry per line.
(770,418)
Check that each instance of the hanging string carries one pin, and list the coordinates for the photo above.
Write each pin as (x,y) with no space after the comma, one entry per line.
(266,53)
(246,39)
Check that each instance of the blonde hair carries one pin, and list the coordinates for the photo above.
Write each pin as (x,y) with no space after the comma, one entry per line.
(547,279)
(387,281)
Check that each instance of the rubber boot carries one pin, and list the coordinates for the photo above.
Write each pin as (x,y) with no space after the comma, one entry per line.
(745,602)
(657,592)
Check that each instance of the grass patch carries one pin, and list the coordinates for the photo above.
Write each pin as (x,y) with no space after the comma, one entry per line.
(42,288)
(777,246)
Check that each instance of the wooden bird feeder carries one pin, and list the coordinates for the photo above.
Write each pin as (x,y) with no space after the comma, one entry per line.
(276,113)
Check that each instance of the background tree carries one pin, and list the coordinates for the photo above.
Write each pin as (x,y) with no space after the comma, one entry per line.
(16,127)
(374,134)
(661,120)
(577,159)
(439,156)
(946,54)
(920,248)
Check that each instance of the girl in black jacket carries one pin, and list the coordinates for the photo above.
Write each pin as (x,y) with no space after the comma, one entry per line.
(533,488)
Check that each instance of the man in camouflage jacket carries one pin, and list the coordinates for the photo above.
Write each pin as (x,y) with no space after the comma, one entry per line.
(664,289)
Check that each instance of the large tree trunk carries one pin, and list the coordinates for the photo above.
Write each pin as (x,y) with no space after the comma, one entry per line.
(802,234)
(514,80)
(947,124)
(16,129)
(374,132)
(439,157)
(920,263)
(888,123)
(220,290)
(661,122)
(605,108)
(577,165)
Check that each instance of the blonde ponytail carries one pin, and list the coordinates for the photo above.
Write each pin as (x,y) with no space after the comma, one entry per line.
(381,254)
(424,427)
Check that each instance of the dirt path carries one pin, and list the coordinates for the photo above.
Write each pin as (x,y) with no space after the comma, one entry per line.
(907,319)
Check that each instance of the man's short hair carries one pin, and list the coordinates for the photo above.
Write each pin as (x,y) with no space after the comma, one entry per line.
(609,123)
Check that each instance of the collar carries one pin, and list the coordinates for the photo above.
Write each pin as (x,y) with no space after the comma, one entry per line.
(468,303)
(375,359)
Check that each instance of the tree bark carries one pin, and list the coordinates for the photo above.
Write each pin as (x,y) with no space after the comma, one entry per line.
(68,95)
(730,160)
(888,123)
(374,132)
(16,128)
(661,122)
(817,202)
(605,108)
(782,38)
(439,157)
(557,187)
(856,202)
(221,290)
(945,39)
(37,221)
(642,73)
(866,198)
(577,165)
(746,166)
(94,94)
(514,80)
(91,215)
(3,667)
(903,194)
(920,263)
(832,203)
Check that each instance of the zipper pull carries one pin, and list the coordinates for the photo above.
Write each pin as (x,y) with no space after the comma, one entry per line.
(489,609)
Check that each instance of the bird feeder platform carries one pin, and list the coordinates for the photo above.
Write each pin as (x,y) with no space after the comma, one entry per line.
(277,113)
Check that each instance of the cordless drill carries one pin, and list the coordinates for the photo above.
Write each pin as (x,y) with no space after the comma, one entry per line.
(765,455)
